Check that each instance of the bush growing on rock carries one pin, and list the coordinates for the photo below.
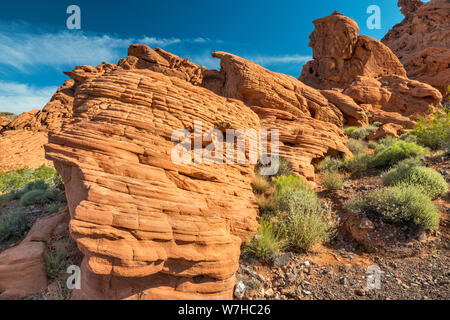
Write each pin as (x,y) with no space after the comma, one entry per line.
(400,204)
(267,205)
(13,225)
(362,132)
(268,242)
(411,172)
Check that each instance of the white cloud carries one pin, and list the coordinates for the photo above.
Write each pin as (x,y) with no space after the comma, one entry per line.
(17,97)
(277,60)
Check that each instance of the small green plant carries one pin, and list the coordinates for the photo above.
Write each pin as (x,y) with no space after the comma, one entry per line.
(358,163)
(332,180)
(13,225)
(54,261)
(268,242)
(400,204)
(260,185)
(388,155)
(361,133)
(356,146)
(307,227)
(372,145)
(15,180)
(377,124)
(329,164)
(39,197)
(411,172)
(433,131)
(54,207)
(285,183)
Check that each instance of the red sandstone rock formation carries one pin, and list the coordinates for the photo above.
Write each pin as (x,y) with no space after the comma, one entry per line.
(21,267)
(149,228)
(364,69)
(422,41)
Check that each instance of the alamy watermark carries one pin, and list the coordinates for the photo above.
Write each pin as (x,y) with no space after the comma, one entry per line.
(74,20)
(239,146)
(374,20)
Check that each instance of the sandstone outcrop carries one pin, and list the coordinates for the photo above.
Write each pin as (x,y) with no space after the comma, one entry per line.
(21,267)
(150,228)
(388,129)
(422,41)
(364,69)
(4,121)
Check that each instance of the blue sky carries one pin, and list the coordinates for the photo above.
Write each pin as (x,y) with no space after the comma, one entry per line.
(36,46)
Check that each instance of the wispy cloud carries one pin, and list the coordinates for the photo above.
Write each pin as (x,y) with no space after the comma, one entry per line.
(277,60)
(18,97)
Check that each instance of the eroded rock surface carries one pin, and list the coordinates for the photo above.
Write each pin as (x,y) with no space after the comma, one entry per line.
(422,41)
(150,228)
(364,69)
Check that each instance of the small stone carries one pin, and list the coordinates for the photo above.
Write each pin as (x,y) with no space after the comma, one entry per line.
(306,263)
(360,292)
(306,292)
(282,259)
(239,291)
(269,293)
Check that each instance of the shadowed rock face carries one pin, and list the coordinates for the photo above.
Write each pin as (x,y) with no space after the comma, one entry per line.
(149,228)
(422,41)
(364,69)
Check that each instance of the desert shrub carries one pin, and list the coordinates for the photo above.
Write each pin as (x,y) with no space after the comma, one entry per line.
(268,242)
(260,185)
(358,163)
(356,146)
(18,179)
(54,207)
(390,154)
(329,164)
(409,137)
(267,205)
(307,224)
(349,130)
(433,131)
(362,132)
(39,196)
(387,141)
(13,225)
(377,124)
(286,183)
(372,145)
(400,204)
(410,172)
(302,198)
(55,261)
(332,180)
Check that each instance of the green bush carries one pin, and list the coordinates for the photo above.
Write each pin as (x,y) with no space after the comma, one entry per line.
(362,132)
(356,146)
(55,261)
(39,196)
(285,183)
(13,225)
(332,180)
(260,185)
(329,164)
(400,204)
(412,173)
(301,199)
(372,145)
(433,131)
(388,155)
(377,124)
(16,180)
(307,225)
(268,242)
(349,130)
(358,163)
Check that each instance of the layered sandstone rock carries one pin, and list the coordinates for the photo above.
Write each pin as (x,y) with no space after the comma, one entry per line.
(21,267)
(422,41)
(150,228)
(364,69)
(22,148)
(4,121)
(309,125)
